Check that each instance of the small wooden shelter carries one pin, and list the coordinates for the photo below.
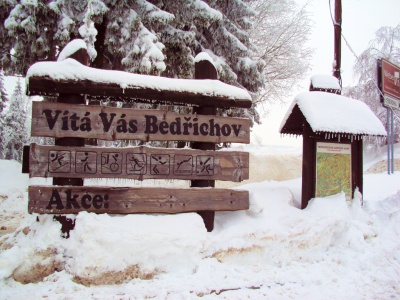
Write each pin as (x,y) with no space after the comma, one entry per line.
(333,128)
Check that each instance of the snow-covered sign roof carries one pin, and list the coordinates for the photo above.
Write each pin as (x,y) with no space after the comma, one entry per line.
(323,81)
(326,112)
(69,75)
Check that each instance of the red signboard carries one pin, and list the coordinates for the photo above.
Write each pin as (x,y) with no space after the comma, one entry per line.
(390,79)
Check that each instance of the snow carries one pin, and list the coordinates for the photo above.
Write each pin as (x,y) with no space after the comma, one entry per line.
(324,81)
(327,112)
(207,12)
(70,69)
(203,56)
(71,48)
(88,32)
(334,249)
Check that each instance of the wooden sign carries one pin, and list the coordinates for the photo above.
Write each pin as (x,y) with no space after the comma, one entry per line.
(120,200)
(108,123)
(137,163)
(390,79)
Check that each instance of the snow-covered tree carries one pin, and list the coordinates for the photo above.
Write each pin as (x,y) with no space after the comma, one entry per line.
(148,37)
(15,131)
(386,44)
(249,40)
(280,32)
(3,105)
(27,29)
(142,36)
(88,32)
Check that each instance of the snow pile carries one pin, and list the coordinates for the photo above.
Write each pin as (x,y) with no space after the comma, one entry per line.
(13,188)
(333,249)
(102,247)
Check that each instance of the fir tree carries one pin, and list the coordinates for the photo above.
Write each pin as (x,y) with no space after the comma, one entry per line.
(27,28)
(15,131)
(148,37)
(258,45)
(3,105)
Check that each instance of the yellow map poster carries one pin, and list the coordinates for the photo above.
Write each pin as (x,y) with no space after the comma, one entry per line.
(333,169)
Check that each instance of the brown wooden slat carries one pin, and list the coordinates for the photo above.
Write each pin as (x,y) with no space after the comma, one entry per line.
(108,123)
(120,200)
(38,85)
(25,159)
(137,163)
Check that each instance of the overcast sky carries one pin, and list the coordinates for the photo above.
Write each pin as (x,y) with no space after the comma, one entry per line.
(360,20)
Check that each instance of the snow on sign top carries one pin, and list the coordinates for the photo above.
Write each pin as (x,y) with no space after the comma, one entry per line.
(324,81)
(326,112)
(203,56)
(71,70)
(71,48)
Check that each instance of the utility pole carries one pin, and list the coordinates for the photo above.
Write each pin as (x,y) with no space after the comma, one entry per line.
(338,40)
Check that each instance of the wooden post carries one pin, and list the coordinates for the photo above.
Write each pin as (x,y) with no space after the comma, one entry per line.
(67,224)
(357,166)
(205,70)
(338,40)
(308,176)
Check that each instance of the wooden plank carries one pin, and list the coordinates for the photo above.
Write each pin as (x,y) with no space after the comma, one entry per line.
(25,159)
(119,200)
(46,85)
(137,163)
(108,123)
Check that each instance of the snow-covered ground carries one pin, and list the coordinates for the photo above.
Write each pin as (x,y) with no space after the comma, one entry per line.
(331,250)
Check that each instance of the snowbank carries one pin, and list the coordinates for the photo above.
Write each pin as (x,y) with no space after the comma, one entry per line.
(333,249)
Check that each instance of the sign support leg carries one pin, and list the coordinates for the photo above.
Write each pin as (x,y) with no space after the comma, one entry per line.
(68,224)
(392,139)
(205,70)
(388,139)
